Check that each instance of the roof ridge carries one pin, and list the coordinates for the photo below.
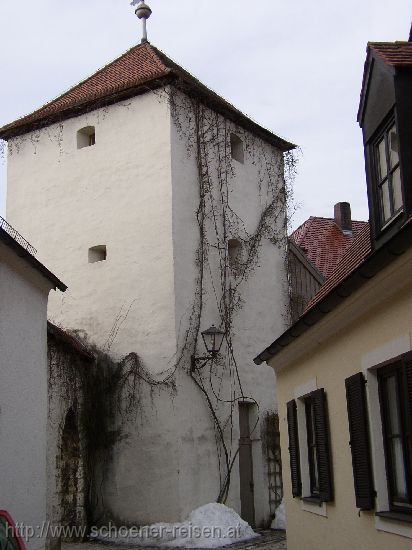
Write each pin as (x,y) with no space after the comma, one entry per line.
(396,42)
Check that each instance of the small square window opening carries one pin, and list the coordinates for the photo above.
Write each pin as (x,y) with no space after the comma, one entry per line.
(236,148)
(86,137)
(97,254)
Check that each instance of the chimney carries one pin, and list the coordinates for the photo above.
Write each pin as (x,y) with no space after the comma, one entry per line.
(342,215)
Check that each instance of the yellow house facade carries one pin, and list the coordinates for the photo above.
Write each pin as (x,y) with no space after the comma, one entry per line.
(344,369)
(370,327)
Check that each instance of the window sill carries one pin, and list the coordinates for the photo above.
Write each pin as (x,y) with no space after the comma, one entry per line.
(397,523)
(391,221)
(314,506)
(397,516)
(312,500)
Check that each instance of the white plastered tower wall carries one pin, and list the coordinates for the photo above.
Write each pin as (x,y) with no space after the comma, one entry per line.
(136,192)
(263,293)
(118,194)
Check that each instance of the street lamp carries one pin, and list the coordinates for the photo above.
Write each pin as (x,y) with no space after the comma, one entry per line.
(213,340)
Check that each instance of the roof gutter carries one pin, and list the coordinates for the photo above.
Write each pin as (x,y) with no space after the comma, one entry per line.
(370,267)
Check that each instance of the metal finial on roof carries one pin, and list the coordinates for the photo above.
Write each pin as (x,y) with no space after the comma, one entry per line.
(143,12)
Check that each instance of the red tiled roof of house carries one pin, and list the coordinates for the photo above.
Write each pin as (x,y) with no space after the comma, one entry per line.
(324,242)
(140,69)
(398,54)
(352,258)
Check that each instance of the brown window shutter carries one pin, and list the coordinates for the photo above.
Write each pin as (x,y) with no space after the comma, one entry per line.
(359,441)
(322,445)
(294,448)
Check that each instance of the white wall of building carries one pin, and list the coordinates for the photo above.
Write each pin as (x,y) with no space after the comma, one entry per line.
(136,191)
(116,193)
(23,394)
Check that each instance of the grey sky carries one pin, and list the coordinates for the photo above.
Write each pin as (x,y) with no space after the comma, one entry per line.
(293,66)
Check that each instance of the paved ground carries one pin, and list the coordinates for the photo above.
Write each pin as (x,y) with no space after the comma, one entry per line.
(269,540)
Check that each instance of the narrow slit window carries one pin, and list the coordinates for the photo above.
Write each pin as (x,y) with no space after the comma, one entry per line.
(236,148)
(86,137)
(234,250)
(97,254)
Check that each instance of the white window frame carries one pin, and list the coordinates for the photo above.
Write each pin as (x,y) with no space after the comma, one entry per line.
(387,351)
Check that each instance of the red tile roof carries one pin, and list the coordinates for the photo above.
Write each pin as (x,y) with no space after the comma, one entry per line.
(356,253)
(140,69)
(398,54)
(324,242)
(356,268)
(137,66)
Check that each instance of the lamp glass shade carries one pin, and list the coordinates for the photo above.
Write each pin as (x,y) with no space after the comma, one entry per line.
(213,339)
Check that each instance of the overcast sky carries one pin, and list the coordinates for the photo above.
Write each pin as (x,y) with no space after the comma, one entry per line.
(293,66)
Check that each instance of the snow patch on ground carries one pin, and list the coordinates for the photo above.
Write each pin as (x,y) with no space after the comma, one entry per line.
(279,521)
(210,526)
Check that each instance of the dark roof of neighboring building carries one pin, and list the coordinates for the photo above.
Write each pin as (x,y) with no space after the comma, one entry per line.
(357,267)
(10,237)
(140,69)
(68,340)
(324,242)
(397,54)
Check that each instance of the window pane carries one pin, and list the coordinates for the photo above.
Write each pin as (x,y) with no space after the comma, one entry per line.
(383,169)
(385,200)
(312,451)
(397,190)
(315,477)
(393,146)
(399,474)
(396,446)
(392,400)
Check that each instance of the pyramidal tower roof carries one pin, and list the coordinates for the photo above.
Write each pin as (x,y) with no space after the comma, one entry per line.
(140,69)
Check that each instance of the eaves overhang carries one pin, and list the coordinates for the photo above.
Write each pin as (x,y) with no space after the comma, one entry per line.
(166,72)
(69,341)
(23,253)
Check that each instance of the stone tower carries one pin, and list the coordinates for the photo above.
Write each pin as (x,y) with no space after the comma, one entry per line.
(163,208)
